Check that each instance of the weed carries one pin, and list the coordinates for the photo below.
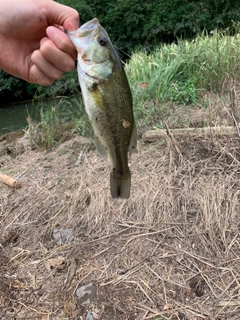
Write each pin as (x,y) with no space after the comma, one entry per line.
(82,123)
(178,73)
(63,151)
(56,121)
(183,92)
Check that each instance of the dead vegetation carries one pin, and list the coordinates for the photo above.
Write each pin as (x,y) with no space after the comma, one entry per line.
(169,252)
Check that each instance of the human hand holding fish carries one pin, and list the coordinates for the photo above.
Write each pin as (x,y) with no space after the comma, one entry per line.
(33,47)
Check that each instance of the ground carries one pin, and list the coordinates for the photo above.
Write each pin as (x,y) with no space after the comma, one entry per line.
(171,251)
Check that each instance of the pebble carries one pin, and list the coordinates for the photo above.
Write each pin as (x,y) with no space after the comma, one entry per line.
(63,236)
(89,315)
(86,294)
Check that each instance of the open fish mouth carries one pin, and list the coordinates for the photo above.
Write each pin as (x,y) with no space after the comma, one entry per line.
(89,29)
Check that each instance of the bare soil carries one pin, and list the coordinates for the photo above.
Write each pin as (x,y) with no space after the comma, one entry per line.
(171,251)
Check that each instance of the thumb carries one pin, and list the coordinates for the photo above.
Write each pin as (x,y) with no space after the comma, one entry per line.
(62,15)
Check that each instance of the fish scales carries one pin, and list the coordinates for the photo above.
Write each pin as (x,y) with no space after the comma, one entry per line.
(108,102)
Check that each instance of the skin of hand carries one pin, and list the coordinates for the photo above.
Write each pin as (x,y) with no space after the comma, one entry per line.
(32,44)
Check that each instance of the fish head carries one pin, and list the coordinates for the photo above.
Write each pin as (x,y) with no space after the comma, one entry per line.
(96,54)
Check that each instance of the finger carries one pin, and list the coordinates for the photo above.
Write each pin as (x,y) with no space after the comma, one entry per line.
(62,15)
(36,76)
(61,60)
(62,41)
(49,69)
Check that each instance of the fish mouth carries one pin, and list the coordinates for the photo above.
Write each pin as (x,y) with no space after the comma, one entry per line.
(90,29)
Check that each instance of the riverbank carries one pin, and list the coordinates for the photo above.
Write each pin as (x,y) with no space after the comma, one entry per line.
(16,116)
(169,252)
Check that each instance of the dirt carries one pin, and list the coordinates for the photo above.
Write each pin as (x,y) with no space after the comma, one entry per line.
(171,251)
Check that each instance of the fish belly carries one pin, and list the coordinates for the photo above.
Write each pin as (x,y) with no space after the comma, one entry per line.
(111,139)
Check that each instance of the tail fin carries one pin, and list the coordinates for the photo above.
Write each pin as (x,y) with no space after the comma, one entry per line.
(120,187)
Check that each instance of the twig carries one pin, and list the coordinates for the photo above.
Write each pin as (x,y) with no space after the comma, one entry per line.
(140,287)
(23,224)
(108,236)
(21,174)
(13,220)
(79,159)
(203,260)
(144,235)
(121,278)
(162,279)
(101,252)
(155,312)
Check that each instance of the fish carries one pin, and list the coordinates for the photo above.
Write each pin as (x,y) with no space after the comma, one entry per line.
(107,100)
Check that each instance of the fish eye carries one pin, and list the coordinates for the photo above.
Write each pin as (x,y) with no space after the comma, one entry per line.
(102,41)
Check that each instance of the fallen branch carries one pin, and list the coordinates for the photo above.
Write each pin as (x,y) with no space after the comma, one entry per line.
(9,181)
(153,135)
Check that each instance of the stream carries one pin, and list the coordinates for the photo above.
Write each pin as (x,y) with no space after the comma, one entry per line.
(14,117)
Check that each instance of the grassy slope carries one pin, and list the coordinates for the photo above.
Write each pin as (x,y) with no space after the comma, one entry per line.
(169,252)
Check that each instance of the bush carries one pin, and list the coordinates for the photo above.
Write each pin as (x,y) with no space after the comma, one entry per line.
(11,86)
(67,85)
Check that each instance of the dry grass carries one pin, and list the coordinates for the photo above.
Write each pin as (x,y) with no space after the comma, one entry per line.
(169,252)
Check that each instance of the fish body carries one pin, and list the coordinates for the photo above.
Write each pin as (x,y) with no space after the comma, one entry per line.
(108,101)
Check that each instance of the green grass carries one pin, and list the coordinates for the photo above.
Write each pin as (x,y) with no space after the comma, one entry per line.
(205,63)
(58,120)
(178,73)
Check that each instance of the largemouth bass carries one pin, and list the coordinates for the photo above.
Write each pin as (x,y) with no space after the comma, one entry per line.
(108,101)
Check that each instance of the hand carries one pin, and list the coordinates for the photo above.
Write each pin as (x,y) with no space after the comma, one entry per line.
(33,45)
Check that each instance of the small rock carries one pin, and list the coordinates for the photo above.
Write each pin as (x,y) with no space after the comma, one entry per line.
(86,294)
(63,236)
(89,315)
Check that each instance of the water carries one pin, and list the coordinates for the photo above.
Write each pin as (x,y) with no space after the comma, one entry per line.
(14,117)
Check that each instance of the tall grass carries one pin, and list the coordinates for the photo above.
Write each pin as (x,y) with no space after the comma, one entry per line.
(58,119)
(207,61)
(178,73)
